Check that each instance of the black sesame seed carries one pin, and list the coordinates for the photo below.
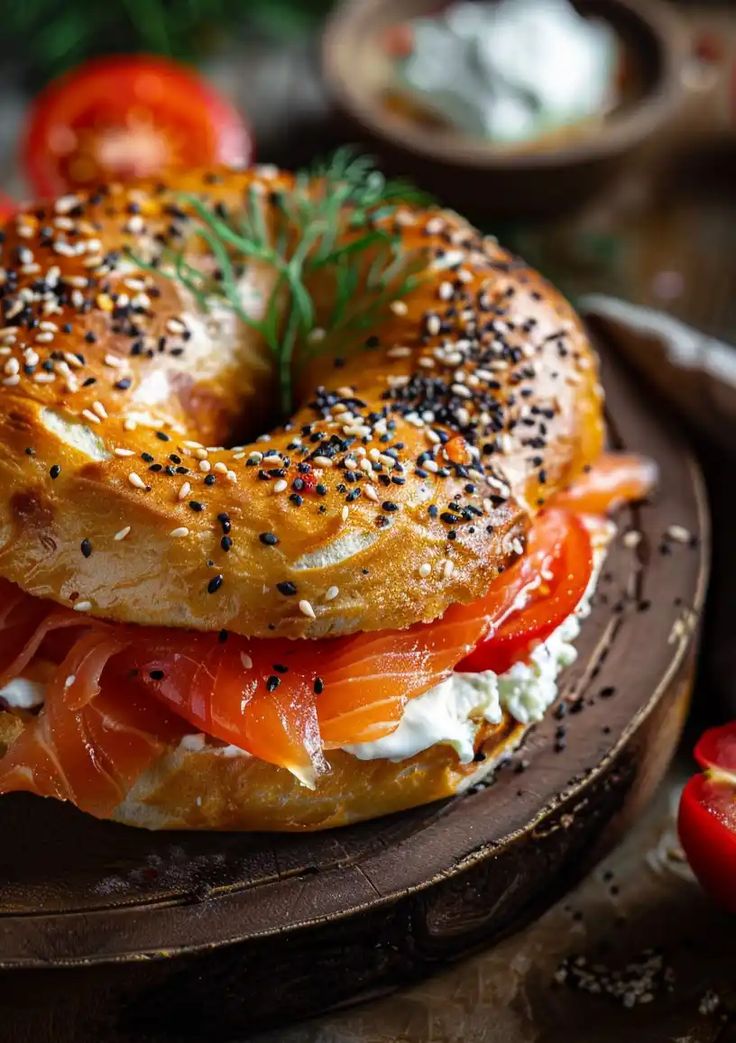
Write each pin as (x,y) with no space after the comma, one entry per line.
(286,587)
(55,470)
(269,538)
(196,505)
(226,543)
(215,583)
(224,520)
(272,683)
(156,675)
(389,505)
(210,479)
(319,686)
(85,547)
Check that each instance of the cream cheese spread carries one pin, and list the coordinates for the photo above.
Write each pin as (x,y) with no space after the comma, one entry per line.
(512,70)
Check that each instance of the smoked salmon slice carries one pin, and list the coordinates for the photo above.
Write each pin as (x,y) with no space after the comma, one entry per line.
(616,478)
(88,745)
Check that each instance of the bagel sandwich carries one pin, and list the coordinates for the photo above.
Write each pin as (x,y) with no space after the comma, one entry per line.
(302,499)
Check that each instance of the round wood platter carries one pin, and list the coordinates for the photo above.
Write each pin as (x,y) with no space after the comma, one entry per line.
(110,933)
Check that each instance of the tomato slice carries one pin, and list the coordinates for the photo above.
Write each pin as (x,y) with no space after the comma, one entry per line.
(548,583)
(614,479)
(707,816)
(128,116)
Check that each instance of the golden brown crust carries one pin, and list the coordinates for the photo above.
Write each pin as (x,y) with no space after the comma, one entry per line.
(208,790)
(482,390)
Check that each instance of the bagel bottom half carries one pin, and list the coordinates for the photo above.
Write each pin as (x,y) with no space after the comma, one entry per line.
(206,789)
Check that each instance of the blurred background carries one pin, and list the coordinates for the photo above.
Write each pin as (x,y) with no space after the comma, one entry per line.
(633,195)
(599,141)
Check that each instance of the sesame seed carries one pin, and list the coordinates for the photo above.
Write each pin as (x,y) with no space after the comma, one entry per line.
(331,593)
(632,538)
(122,533)
(136,480)
(280,485)
(399,307)
(322,461)
(66,203)
(215,583)
(179,532)
(305,607)
(449,568)
(424,569)
(679,534)
(89,415)
(184,491)
(119,451)
(82,606)
(246,661)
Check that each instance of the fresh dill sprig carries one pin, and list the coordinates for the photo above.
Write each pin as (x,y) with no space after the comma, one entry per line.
(332,228)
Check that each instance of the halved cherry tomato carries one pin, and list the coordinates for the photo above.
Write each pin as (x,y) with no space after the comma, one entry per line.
(707,818)
(556,568)
(614,478)
(128,116)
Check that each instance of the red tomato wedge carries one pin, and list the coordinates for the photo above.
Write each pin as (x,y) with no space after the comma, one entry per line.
(128,116)
(614,479)
(707,816)
(558,563)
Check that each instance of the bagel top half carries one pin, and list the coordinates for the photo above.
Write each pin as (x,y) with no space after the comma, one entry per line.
(133,481)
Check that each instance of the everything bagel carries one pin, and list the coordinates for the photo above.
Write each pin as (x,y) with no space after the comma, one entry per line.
(300,499)
(403,482)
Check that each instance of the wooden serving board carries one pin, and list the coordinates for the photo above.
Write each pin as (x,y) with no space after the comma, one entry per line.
(108,933)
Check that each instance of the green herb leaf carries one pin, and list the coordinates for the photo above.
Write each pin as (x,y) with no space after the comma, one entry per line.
(331,222)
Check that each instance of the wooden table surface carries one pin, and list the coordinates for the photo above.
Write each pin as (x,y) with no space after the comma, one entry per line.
(636,952)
